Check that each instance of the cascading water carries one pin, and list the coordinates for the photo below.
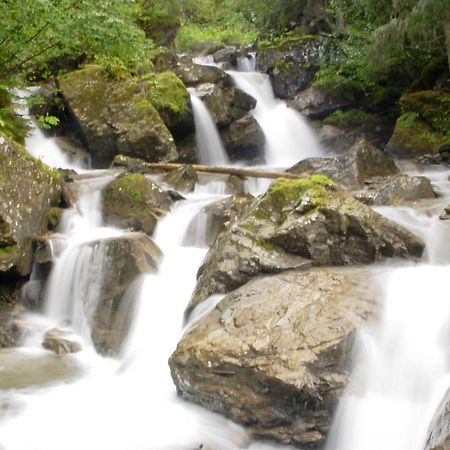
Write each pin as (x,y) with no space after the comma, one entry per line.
(402,369)
(289,138)
(210,148)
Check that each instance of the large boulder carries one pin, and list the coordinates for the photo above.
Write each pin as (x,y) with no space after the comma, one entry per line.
(124,259)
(295,223)
(117,116)
(28,191)
(317,103)
(132,201)
(350,170)
(396,190)
(60,342)
(194,74)
(244,139)
(274,355)
(225,105)
(292,63)
(424,125)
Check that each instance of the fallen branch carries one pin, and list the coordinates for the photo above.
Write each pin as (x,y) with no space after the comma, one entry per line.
(239,171)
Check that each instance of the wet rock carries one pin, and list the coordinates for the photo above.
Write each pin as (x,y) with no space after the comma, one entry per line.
(32,295)
(134,202)
(61,342)
(28,191)
(225,105)
(219,215)
(439,431)
(446,214)
(244,139)
(187,150)
(292,63)
(195,74)
(226,57)
(183,179)
(296,223)
(353,168)
(423,126)
(123,259)
(396,189)
(317,103)
(275,354)
(12,328)
(117,116)
(235,185)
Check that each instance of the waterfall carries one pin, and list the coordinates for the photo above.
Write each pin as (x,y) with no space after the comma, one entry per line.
(210,148)
(402,367)
(289,138)
(40,146)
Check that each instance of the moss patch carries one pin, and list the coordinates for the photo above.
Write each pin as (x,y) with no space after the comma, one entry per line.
(350,118)
(342,88)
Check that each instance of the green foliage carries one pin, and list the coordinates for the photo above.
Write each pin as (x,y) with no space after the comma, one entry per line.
(48,121)
(36,34)
(11,124)
(350,118)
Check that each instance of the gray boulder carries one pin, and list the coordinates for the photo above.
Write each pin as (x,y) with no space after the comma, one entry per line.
(274,355)
(439,431)
(132,201)
(183,179)
(28,191)
(244,139)
(195,74)
(61,342)
(296,223)
(353,168)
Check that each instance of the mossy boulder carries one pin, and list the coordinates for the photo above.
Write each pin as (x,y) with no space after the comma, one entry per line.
(424,126)
(291,63)
(296,222)
(28,191)
(116,116)
(12,125)
(275,355)
(169,96)
(134,202)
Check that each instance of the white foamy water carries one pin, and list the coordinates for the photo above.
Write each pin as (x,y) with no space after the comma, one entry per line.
(402,366)
(289,138)
(209,145)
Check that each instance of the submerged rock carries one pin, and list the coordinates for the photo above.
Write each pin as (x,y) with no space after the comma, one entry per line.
(118,116)
(61,342)
(296,223)
(275,354)
(134,202)
(28,191)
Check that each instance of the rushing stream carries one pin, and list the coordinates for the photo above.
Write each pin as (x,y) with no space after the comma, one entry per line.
(89,402)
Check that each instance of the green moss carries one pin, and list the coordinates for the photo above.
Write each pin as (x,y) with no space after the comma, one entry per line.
(265,244)
(250,227)
(284,42)
(8,250)
(288,189)
(130,184)
(341,87)
(12,125)
(350,118)
(166,92)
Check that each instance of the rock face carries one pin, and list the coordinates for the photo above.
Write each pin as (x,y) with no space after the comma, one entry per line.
(117,116)
(396,189)
(60,342)
(134,202)
(352,169)
(439,432)
(124,259)
(220,214)
(423,126)
(295,223)
(244,139)
(316,103)
(225,105)
(195,74)
(274,354)
(292,63)
(28,190)
(183,179)
(12,329)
